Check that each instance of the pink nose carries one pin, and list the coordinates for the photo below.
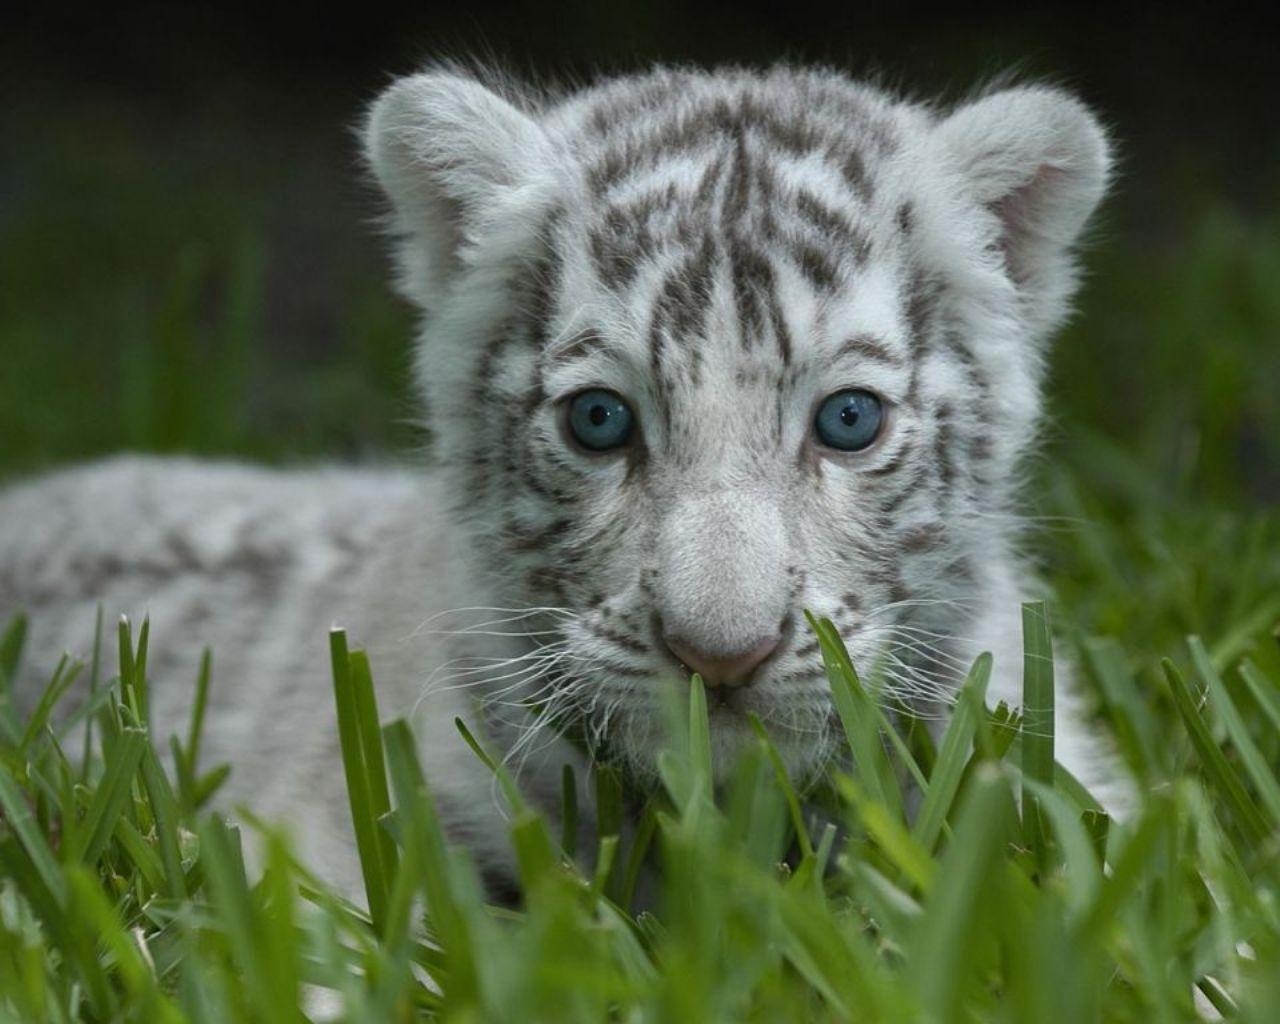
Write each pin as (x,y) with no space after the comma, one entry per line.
(721,670)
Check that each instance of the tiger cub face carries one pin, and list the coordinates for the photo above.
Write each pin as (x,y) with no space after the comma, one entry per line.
(705,350)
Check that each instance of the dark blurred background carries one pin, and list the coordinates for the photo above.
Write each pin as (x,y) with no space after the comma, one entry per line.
(188,263)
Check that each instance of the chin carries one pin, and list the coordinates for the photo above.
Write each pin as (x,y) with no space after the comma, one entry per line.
(799,726)
(804,745)
(731,734)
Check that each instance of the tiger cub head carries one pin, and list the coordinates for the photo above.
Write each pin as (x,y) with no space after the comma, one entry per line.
(704,350)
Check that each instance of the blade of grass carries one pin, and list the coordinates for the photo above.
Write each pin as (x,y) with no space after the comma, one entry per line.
(788,791)
(279,941)
(1128,714)
(699,736)
(515,799)
(133,668)
(369,730)
(1264,691)
(109,800)
(953,755)
(902,850)
(1217,770)
(856,712)
(164,810)
(63,676)
(195,729)
(1260,772)
(609,810)
(535,851)
(95,680)
(12,642)
(1134,860)
(101,925)
(209,783)
(419,817)
(1081,865)
(140,852)
(1037,722)
(636,854)
(77,948)
(945,938)
(21,821)
(568,811)
(359,789)
(233,903)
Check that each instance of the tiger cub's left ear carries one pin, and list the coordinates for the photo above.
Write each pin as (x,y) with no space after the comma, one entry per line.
(1040,160)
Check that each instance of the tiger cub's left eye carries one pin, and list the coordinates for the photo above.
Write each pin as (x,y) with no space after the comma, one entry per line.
(849,421)
(600,420)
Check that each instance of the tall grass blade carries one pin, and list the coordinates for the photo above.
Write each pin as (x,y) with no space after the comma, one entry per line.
(857,714)
(1265,691)
(1261,774)
(359,787)
(1218,771)
(953,755)
(1037,722)
(109,800)
(946,937)
(12,641)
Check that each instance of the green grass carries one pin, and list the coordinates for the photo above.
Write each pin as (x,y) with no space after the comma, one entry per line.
(123,897)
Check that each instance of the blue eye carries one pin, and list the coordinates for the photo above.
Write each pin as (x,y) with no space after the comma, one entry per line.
(849,420)
(600,420)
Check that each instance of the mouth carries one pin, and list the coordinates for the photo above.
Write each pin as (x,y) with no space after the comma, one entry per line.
(725,701)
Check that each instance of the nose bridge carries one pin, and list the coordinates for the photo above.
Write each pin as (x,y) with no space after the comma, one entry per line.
(722,579)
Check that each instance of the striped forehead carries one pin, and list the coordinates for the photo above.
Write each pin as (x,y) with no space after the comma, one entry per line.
(725,231)
(724,179)
(785,339)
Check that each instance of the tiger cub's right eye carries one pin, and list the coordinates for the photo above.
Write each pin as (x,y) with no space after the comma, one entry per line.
(849,420)
(600,420)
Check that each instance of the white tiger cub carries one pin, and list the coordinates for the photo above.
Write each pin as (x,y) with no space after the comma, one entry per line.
(700,350)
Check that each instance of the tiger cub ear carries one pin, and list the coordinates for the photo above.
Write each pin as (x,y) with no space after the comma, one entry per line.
(455,159)
(1040,160)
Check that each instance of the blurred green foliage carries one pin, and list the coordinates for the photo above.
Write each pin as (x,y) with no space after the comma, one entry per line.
(168,306)
(1175,356)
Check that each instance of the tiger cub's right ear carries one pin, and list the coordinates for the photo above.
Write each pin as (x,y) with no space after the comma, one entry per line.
(456,160)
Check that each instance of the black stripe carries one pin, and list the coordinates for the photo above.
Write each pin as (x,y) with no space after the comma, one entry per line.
(581,345)
(756,297)
(942,441)
(908,489)
(737,193)
(781,334)
(926,537)
(622,640)
(895,462)
(816,267)
(853,169)
(518,538)
(722,118)
(833,226)
(905,218)
(868,347)
(924,297)
(680,310)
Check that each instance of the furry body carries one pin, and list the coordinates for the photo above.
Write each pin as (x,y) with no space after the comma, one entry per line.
(721,250)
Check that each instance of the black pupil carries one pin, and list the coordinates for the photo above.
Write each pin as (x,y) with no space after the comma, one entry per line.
(597,415)
(849,415)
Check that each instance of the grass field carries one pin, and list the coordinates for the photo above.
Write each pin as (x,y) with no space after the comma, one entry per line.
(122,897)
(1006,895)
